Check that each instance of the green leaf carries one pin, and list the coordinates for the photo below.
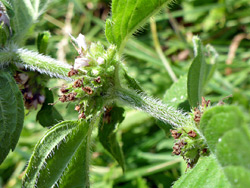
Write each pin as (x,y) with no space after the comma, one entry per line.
(11,114)
(128,16)
(206,173)
(42,42)
(200,71)
(131,82)
(3,34)
(177,93)
(61,157)
(26,13)
(6,4)
(34,61)
(107,134)
(228,139)
(48,115)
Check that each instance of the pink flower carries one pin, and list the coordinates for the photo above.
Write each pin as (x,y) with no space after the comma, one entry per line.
(81,62)
(80,42)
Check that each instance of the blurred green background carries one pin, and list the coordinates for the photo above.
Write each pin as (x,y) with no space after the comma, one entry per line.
(225,24)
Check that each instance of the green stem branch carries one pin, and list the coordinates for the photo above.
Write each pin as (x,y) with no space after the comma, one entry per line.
(34,61)
(154,107)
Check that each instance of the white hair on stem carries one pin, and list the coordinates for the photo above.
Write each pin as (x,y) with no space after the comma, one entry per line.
(154,107)
(34,61)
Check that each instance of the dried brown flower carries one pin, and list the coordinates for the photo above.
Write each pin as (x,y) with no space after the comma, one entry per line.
(71,96)
(178,146)
(175,134)
(192,134)
(63,98)
(78,83)
(87,90)
(205,103)
(64,90)
(82,116)
(77,108)
(98,80)
(72,72)
(197,115)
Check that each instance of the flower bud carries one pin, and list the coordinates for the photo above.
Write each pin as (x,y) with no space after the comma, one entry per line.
(23,77)
(41,99)
(77,108)
(100,60)
(82,115)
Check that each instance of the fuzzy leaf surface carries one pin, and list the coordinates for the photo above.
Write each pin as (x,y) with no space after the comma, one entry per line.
(177,93)
(128,16)
(26,13)
(228,139)
(53,162)
(107,134)
(11,114)
(200,71)
(207,173)
(3,34)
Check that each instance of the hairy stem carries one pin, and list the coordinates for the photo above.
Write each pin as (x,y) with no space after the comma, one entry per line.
(34,61)
(154,107)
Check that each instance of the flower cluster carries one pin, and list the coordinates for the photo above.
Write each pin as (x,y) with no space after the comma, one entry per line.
(200,110)
(93,72)
(189,143)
